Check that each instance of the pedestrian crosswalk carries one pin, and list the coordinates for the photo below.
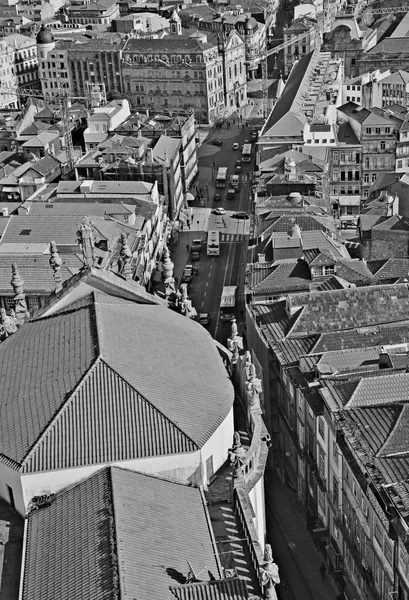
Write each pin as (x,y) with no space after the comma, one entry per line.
(233,237)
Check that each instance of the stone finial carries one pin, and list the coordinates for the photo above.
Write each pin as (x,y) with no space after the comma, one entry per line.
(269,574)
(234,342)
(8,324)
(126,256)
(167,264)
(55,264)
(86,242)
(253,387)
(20,306)
(237,456)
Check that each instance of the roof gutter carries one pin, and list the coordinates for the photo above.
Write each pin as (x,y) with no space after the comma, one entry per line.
(212,536)
(23,560)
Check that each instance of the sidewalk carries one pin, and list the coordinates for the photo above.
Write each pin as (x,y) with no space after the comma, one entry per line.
(282,501)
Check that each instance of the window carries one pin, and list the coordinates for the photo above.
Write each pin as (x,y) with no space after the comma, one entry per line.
(353,88)
(335,174)
(382,145)
(387,129)
(342,156)
(321,462)
(373,177)
(399,164)
(368,130)
(328,270)
(335,156)
(321,500)
(366,178)
(321,425)
(365,506)
(377,130)
(388,551)
(378,533)
(335,491)
(324,141)
(335,454)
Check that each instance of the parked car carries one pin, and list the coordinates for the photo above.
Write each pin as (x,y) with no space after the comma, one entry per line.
(236,146)
(217,197)
(187,276)
(240,215)
(238,169)
(204,319)
(230,193)
(217,143)
(219,211)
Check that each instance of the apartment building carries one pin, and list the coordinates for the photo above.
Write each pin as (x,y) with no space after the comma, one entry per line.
(377,129)
(53,63)
(294,51)
(25,61)
(100,12)
(178,73)
(233,52)
(8,79)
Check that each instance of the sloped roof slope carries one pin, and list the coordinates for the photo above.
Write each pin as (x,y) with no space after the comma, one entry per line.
(123,534)
(108,379)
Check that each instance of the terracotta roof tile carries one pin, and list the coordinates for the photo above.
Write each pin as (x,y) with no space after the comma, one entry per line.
(233,588)
(387,389)
(349,308)
(57,375)
(117,530)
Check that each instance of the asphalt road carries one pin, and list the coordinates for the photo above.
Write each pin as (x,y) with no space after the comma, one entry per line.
(227,268)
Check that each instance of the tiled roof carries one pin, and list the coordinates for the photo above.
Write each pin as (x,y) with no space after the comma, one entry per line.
(284,276)
(287,99)
(179,43)
(46,165)
(122,533)
(391,268)
(397,442)
(284,222)
(349,308)
(289,350)
(395,223)
(36,272)
(233,588)
(362,337)
(376,423)
(76,208)
(345,360)
(373,391)
(355,111)
(127,380)
(26,230)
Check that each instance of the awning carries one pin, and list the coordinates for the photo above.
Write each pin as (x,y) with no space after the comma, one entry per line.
(9,189)
(349,200)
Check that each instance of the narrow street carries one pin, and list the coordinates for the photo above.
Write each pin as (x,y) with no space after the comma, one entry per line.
(293,548)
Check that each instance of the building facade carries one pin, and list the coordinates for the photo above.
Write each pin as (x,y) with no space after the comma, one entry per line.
(8,79)
(233,52)
(178,73)
(294,50)
(100,12)
(25,61)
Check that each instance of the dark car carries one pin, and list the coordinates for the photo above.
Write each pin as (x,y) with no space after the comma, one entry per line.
(217,197)
(240,215)
(238,169)
(217,143)
(195,256)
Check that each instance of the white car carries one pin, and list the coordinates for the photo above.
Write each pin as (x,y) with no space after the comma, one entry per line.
(219,211)
(236,146)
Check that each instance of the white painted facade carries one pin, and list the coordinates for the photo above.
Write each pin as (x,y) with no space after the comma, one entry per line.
(104,119)
(183,468)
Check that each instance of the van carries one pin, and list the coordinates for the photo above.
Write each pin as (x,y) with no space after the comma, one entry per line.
(235,181)
(197,246)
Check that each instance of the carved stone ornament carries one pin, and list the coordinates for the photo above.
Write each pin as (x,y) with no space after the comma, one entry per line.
(253,387)
(269,574)
(237,456)
(8,324)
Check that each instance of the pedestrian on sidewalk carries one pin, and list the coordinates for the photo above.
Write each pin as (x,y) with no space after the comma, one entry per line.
(187,247)
(322,570)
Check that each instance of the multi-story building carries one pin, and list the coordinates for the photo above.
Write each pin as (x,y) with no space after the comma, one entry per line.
(345,41)
(25,61)
(103,120)
(377,129)
(53,63)
(233,52)
(100,12)
(97,61)
(8,79)
(293,51)
(177,73)
(345,164)
(335,379)
(255,39)
(402,149)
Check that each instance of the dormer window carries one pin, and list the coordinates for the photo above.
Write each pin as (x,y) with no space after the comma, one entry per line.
(328,270)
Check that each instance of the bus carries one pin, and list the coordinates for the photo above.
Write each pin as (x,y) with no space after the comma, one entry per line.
(221,178)
(213,244)
(246,153)
(228,302)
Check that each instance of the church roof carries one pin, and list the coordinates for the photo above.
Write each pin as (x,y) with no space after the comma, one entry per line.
(127,530)
(106,379)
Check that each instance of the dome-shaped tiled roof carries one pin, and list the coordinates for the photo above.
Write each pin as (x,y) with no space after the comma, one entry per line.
(250,24)
(44,36)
